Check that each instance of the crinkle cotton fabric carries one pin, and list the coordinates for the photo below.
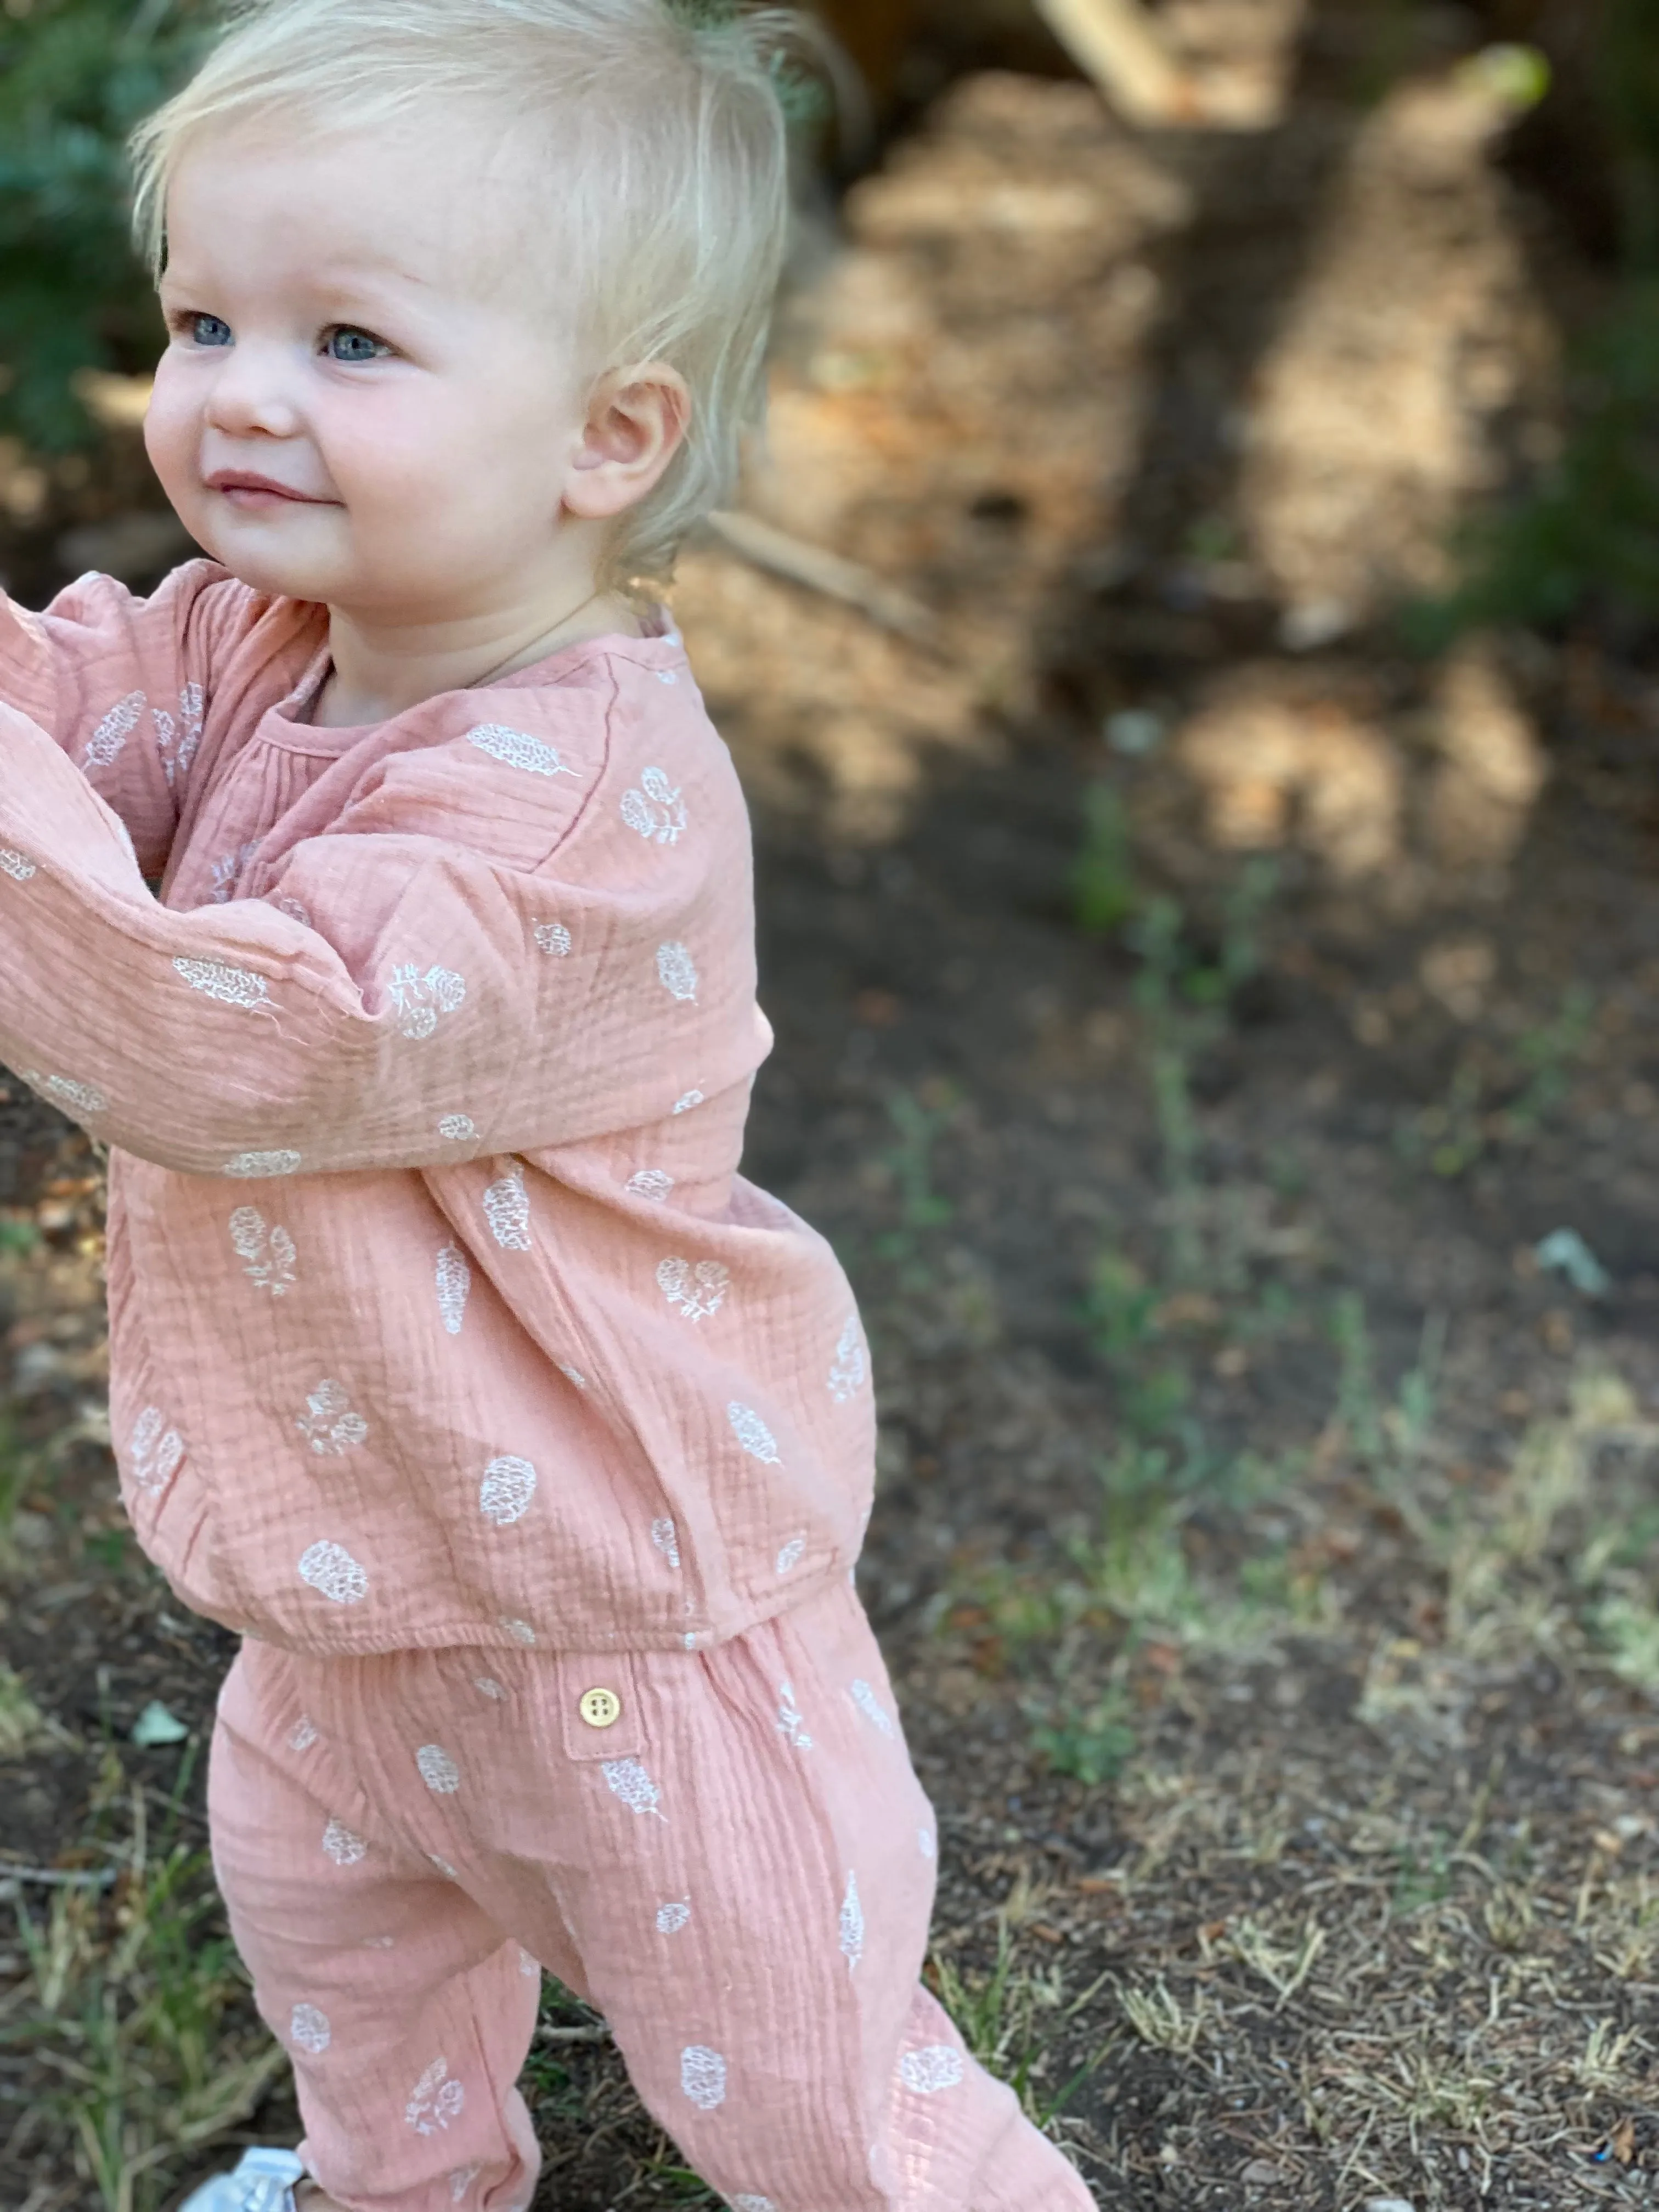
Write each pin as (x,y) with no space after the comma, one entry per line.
(440,1314)
(737,1871)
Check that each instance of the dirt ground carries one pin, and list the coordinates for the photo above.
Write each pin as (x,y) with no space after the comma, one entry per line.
(1219,1045)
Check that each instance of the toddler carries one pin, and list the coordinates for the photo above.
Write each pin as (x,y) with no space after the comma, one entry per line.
(528,1448)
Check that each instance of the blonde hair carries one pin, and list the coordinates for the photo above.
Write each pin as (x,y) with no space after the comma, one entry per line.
(673,173)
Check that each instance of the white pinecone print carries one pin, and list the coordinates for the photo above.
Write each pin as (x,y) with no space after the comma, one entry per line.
(80,1099)
(666,1537)
(507,1209)
(331,1572)
(253,1167)
(521,1632)
(752,1433)
(227,871)
(677,972)
(870,1706)
(328,1424)
(691,1100)
(751,2205)
(656,810)
(627,1779)
(156,1452)
(422,1001)
(487,1687)
(342,1845)
(304,1734)
(699,1293)
(458,1128)
(791,1726)
(927,1842)
(461,2181)
(847,1376)
(651,1183)
(504,1494)
(435,2100)
(791,1555)
(852,1924)
(267,1255)
(672,1918)
(518,749)
(936,2066)
(554,938)
(573,1375)
(231,986)
(107,741)
(308,2026)
(176,741)
(17,866)
(441,1776)
(703,2076)
(454,1280)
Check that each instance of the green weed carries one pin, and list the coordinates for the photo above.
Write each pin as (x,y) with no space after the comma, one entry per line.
(1103,885)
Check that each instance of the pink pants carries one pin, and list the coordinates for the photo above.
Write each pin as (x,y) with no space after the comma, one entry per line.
(737,1871)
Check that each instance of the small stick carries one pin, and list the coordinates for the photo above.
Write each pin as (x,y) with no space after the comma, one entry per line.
(1122,50)
(765,546)
(600,2033)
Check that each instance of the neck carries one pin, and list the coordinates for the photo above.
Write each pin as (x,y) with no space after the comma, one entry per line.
(380,669)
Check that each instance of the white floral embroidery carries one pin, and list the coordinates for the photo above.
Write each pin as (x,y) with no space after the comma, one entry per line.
(521,1632)
(294,909)
(422,1001)
(650,1182)
(554,938)
(791,1726)
(227,873)
(304,1734)
(518,749)
(699,1292)
(487,1687)
(156,1451)
(458,1128)
(504,1494)
(573,1375)
(791,1555)
(254,1166)
(64,1091)
(232,987)
(267,1255)
(847,1376)
(507,1209)
(752,2204)
(671,1918)
(444,1867)
(454,1281)
(656,810)
(703,2076)
(331,1570)
(691,1098)
(461,2181)
(435,2099)
(439,1773)
(677,972)
(308,2026)
(870,1706)
(666,676)
(628,1780)
(328,1424)
(529,1967)
(852,1924)
(936,2066)
(342,1845)
(16,864)
(104,743)
(752,1433)
(927,1842)
(666,1537)
(177,745)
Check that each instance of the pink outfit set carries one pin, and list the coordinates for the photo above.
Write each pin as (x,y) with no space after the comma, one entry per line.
(454,1365)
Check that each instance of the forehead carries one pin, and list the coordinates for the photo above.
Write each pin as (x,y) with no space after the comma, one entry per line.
(419,203)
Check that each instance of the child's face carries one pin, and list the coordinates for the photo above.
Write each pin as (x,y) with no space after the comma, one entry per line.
(353,322)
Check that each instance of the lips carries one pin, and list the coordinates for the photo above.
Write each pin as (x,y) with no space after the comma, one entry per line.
(250,483)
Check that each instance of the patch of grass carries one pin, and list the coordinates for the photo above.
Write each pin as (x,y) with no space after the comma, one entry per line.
(1009,2015)
(1103,885)
(134,2012)
(1161,2020)
(1502,1098)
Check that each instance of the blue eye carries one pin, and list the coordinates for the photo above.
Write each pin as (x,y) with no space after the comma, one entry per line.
(210,330)
(345,344)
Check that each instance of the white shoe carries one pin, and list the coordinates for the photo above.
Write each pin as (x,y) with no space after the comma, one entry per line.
(264,2182)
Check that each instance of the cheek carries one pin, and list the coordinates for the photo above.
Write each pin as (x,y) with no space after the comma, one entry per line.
(171,430)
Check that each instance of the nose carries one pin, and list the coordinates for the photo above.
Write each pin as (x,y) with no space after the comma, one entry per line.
(251,394)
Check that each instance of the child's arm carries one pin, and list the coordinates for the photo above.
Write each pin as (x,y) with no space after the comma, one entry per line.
(433,1004)
(118,683)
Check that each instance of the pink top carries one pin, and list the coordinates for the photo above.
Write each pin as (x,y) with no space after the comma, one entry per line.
(439,1313)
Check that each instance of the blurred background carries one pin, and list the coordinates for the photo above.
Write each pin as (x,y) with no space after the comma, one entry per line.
(1192,645)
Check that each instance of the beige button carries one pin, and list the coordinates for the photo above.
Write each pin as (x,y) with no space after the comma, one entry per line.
(600,1709)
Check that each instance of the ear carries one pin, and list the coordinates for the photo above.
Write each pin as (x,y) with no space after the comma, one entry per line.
(636,423)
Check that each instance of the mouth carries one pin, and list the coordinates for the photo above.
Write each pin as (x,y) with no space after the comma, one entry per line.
(245,487)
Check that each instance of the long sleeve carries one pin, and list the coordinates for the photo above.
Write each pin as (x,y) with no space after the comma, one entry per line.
(121,684)
(393,997)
